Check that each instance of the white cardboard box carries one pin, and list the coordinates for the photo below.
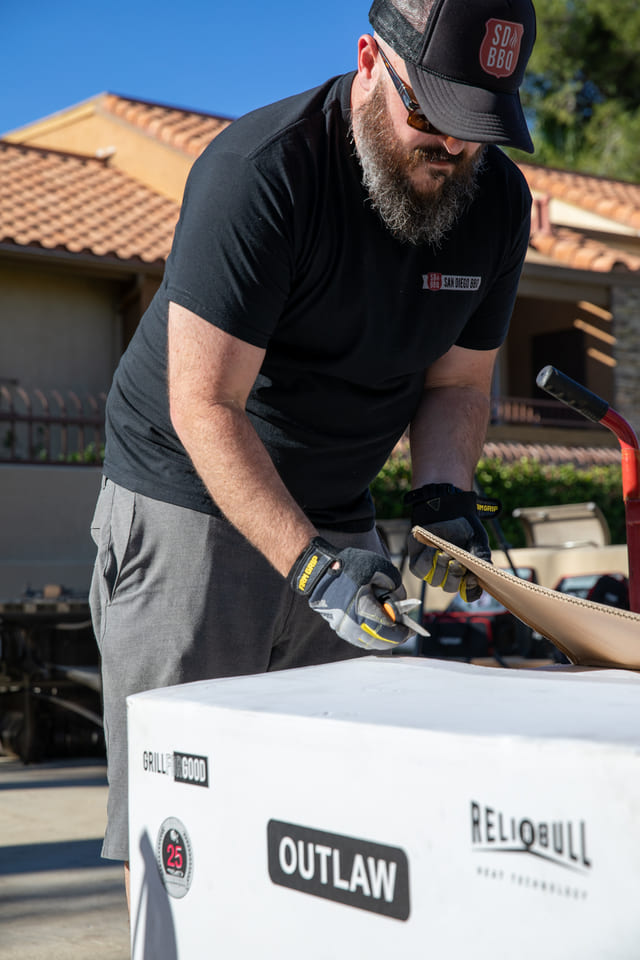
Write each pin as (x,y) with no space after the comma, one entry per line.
(381,808)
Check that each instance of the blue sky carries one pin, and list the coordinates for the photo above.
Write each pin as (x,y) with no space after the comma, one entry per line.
(218,56)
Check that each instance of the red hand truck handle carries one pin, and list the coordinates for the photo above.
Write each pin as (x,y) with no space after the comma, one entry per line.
(563,388)
(591,406)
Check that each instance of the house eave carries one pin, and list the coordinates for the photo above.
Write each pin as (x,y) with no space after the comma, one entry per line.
(105,265)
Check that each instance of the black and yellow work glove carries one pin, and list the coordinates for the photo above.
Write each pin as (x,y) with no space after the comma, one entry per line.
(453,515)
(359,593)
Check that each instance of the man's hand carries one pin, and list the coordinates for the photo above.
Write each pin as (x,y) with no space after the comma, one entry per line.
(454,515)
(358,592)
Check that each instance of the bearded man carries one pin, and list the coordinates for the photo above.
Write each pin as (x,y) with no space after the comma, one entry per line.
(344,267)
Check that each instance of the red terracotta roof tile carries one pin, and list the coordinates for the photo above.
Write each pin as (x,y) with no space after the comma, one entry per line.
(614,199)
(568,245)
(574,249)
(552,454)
(187,130)
(582,457)
(62,201)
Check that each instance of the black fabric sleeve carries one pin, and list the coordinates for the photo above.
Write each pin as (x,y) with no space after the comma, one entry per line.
(231,261)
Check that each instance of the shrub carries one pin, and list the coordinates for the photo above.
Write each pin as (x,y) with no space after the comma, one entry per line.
(528,483)
(391,484)
(92,454)
(525,483)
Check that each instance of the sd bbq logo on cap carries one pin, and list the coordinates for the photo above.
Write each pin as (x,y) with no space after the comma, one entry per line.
(501,47)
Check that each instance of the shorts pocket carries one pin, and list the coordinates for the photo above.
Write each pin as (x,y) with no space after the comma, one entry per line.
(114,534)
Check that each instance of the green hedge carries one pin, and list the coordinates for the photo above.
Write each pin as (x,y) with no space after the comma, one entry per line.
(525,483)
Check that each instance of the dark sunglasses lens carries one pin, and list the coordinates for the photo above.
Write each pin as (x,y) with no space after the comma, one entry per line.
(419,122)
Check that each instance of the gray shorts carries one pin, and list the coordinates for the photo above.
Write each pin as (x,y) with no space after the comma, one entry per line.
(179,596)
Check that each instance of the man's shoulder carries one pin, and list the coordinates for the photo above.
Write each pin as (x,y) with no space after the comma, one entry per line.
(303,115)
(504,170)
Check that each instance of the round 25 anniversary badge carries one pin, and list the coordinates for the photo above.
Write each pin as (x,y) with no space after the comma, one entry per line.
(175,857)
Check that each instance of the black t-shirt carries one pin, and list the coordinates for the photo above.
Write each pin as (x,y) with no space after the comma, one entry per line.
(278,245)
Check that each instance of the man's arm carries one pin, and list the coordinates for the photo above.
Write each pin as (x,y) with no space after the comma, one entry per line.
(449,428)
(210,376)
(447,434)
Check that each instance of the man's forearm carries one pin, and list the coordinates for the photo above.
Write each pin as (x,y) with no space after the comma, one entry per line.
(209,378)
(240,476)
(447,435)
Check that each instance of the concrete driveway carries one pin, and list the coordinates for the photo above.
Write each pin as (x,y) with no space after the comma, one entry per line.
(58,899)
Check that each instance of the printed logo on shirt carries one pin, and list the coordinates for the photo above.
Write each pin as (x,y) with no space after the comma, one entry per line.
(500,47)
(445,281)
(357,873)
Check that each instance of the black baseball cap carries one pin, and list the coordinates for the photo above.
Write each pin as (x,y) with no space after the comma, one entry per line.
(466,61)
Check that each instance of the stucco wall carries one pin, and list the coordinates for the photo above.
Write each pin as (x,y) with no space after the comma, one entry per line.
(58,330)
(45,515)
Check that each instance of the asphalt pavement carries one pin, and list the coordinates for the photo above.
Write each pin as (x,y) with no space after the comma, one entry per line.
(58,898)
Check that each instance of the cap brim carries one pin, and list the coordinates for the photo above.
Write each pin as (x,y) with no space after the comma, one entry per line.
(471,113)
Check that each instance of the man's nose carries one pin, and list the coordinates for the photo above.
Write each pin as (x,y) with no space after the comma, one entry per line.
(452,145)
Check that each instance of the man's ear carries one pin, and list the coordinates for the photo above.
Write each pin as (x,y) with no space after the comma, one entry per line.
(367,60)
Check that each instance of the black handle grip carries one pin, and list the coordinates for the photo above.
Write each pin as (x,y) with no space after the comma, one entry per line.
(563,388)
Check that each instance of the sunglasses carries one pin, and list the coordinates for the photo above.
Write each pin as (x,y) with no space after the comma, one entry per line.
(416,119)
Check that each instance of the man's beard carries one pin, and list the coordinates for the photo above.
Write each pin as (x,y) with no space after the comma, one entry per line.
(412,215)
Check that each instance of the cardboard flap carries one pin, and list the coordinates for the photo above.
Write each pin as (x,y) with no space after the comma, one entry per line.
(590,634)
